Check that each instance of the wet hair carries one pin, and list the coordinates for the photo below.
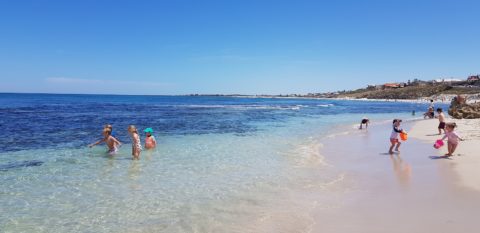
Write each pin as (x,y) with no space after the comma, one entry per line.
(396,120)
(108,126)
(107,131)
(431,101)
(439,110)
(132,128)
(452,125)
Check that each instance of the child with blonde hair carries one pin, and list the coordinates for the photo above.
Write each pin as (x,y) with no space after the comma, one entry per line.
(136,143)
(111,142)
(452,137)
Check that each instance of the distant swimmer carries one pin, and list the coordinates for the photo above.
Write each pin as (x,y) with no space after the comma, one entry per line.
(112,142)
(365,121)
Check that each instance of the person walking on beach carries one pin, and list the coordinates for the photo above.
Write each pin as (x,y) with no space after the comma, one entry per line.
(441,119)
(395,143)
(112,142)
(150,142)
(453,138)
(136,143)
(365,121)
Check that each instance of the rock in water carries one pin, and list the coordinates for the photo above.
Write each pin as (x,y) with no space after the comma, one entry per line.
(20,164)
(459,109)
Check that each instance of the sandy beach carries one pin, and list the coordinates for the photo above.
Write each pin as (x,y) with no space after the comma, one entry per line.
(412,191)
(466,162)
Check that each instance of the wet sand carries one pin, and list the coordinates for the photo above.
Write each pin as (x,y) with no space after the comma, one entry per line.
(405,192)
(466,159)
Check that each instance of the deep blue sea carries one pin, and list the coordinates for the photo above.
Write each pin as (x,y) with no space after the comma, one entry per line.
(223,164)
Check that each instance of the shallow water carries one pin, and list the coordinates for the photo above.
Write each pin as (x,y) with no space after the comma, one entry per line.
(222,164)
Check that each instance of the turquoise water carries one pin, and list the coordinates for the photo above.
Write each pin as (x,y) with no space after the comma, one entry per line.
(222,164)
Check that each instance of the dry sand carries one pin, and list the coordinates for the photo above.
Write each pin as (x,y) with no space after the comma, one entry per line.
(407,192)
(466,160)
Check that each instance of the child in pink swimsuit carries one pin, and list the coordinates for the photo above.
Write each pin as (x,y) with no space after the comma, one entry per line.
(452,137)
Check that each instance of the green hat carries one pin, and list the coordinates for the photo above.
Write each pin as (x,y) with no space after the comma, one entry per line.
(148,130)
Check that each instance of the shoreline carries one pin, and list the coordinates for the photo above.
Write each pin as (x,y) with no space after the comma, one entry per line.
(442,98)
(406,192)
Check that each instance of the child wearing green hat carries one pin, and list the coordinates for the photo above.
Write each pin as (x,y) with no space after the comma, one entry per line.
(150,142)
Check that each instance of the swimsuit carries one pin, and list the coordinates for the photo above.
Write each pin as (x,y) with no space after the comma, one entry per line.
(364,121)
(394,135)
(138,145)
(452,137)
(112,151)
(441,125)
(149,141)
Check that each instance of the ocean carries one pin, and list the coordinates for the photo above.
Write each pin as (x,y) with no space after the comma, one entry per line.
(222,164)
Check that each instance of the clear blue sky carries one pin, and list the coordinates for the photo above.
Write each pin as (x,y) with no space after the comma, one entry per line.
(250,47)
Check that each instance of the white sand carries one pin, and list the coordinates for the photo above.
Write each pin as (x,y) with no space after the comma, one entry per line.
(466,159)
(409,191)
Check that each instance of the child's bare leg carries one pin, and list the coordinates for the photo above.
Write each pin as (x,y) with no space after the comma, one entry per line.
(397,148)
(391,148)
(454,147)
(136,154)
(449,147)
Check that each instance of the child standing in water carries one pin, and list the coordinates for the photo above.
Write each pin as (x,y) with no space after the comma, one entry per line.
(136,144)
(112,143)
(441,119)
(150,142)
(394,136)
(453,138)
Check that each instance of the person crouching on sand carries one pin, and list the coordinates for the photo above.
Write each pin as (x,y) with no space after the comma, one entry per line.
(441,119)
(112,142)
(453,138)
(365,121)
(150,142)
(394,136)
(136,144)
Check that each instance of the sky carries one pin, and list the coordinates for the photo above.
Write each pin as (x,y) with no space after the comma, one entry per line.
(232,47)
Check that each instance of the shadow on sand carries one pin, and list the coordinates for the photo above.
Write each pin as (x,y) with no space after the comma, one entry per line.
(432,135)
(440,157)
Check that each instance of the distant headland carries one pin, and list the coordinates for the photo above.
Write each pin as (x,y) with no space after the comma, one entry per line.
(443,89)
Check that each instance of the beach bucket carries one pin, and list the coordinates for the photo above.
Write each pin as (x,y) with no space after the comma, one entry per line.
(438,144)
(404,136)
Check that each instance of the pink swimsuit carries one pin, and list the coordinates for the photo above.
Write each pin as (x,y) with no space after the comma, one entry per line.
(452,136)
